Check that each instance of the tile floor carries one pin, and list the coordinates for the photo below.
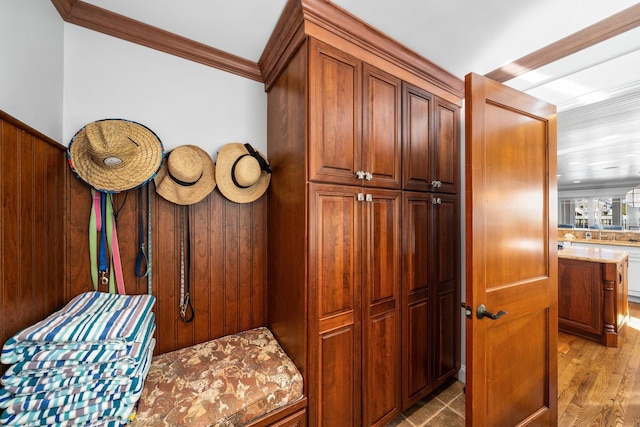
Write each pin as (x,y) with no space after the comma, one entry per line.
(444,409)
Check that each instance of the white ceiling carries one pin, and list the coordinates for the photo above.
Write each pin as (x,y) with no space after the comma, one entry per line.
(464,36)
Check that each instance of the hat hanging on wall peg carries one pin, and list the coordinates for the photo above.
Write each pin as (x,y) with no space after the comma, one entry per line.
(242,173)
(187,175)
(114,155)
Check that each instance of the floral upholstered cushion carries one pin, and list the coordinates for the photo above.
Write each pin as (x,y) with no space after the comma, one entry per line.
(226,382)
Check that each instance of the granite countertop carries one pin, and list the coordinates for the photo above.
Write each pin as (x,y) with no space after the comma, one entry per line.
(613,256)
(602,242)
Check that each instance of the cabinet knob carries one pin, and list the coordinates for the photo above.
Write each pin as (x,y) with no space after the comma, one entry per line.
(369,198)
(368,176)
(436,184)
(436,201)
(360,174)
(360,197)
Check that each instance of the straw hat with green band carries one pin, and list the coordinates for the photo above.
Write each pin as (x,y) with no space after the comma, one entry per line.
(187,175)
(242,173)
(114,155)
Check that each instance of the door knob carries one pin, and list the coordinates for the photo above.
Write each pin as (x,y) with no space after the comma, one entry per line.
(481,312)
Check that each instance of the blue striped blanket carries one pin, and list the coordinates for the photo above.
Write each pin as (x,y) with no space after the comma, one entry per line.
(91,318)
(84,365)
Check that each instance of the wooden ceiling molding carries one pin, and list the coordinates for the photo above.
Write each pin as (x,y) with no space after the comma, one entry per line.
(95,18)
(302,17)
(612,26)
(325,21)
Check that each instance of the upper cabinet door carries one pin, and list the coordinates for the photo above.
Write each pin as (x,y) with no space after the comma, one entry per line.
(431,142)
(446,150)
(335,150)
(417,138)
(381,147)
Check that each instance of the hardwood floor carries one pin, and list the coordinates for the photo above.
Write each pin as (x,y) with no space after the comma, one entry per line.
(597,386)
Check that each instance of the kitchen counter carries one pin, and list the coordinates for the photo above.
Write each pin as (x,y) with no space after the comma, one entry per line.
(602,242)
(592,292)
(593,254)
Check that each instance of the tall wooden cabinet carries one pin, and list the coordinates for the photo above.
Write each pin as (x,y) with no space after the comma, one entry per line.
(338,230)
(431,244)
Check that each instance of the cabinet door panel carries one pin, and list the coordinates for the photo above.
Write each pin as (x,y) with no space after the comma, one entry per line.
(417,303)
(336,249)
(335,277)
(338,378)
(382,246)
(334,115)
(416,139)
(446,151)
(446,279)
(381,128)
(580,297)
(381,394)
(381,299)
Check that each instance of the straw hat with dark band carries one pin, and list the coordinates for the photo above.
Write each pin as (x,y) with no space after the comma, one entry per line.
(187,175)
(243,173)
(115,155)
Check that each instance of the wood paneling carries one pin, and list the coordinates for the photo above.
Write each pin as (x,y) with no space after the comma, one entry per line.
(33,231)
(44,258)
(227,268)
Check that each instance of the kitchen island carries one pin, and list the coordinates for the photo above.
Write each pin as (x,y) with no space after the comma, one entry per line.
(592,292)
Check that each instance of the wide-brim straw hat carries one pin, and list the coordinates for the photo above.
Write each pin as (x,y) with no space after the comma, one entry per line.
(187,175)
(114,155)
(242,173)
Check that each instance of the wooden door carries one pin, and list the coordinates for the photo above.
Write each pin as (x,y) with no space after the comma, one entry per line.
(511,257)
(381,307)
(335,105)
(381,153)
(335,259)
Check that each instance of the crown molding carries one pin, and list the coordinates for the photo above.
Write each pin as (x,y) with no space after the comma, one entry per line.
(323,19)
(343,24)
(612,26)
(94,18)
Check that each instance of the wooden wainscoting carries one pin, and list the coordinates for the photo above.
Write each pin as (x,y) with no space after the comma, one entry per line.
(33,230)
(44,258)
(228,262)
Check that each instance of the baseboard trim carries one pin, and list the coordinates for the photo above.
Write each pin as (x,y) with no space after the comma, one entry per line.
(462,374)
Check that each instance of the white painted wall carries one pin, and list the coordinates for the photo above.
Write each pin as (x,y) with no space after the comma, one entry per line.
(31,64)
(183,102)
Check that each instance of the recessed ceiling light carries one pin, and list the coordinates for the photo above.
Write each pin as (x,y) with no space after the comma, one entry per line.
(575,163)
(577,182)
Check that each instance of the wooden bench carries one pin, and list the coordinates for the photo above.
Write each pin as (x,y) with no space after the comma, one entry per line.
(244,379)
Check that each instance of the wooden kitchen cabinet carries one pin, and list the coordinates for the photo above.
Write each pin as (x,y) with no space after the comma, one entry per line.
(354,112)
(592,293)
(335,235)
(431,142)
(430,292)
(354,280)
